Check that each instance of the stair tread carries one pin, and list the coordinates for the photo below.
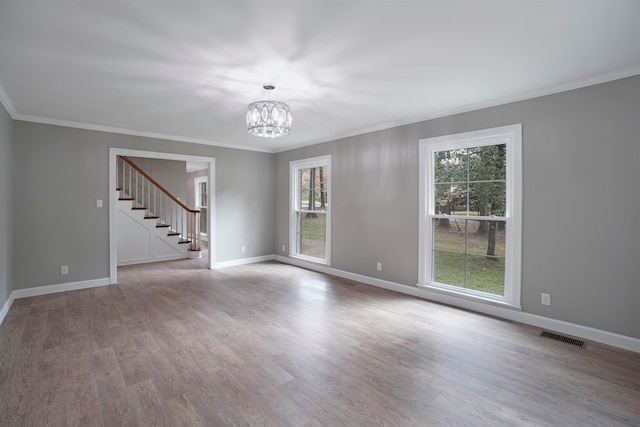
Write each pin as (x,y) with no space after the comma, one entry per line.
(125,198)
(184,241)
(162,225)
(173,234)
(138,208)
(151,217)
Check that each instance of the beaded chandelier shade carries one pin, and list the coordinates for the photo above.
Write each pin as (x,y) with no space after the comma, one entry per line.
(269,119)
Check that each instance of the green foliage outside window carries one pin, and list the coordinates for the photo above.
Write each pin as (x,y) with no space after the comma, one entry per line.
(468,183)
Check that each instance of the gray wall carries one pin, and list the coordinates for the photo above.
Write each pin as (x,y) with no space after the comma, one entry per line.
(581,188)
(60,172)
(581,180)
(6,191)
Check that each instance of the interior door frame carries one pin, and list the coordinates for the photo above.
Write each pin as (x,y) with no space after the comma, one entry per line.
(114,152)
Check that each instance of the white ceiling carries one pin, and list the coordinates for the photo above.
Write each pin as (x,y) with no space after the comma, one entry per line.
(186,70)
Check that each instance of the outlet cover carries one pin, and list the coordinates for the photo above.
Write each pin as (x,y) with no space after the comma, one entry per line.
(64,269)
(379,266)
(545,299)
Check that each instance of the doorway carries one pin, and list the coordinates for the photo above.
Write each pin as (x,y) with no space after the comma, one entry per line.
(206,163)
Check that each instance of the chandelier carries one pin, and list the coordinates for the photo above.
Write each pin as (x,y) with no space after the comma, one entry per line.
(269,119)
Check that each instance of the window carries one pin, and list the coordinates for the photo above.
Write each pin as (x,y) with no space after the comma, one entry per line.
(310,219)
(470,214)
(201,202)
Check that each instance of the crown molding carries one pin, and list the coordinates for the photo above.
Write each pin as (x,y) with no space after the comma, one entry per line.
(523,96)
(132,132)
(590,81)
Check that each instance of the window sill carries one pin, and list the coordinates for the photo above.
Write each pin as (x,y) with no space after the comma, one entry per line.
(311,259)
(479,297)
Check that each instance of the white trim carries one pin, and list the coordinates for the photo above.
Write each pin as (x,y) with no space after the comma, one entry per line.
(244,261)
(585,332)
(511,135)
(198,180)
(61,287)
(294,165)
(590,81)
(124,131)
(6,307)
(196,192)
(49,289)
(113,152)
(138,261)
(8,105)
(309,259)
(470,294)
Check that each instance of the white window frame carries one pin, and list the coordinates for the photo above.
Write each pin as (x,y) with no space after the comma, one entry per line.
(511,136)
(294,167)
(197,181)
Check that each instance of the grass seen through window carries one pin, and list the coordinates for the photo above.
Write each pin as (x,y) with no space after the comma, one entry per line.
(460,257)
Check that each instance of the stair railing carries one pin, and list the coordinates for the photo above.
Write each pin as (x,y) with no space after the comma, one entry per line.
(158,203)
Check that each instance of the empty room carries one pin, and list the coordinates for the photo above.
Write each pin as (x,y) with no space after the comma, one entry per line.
(319,213)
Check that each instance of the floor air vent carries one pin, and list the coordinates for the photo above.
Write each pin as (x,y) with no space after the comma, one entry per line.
(562,338)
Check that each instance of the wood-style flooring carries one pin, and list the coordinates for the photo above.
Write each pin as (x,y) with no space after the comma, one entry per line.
(274,345)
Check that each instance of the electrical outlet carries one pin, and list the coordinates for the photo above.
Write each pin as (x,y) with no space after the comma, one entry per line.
(99,203)
(284,248)
(379,266)
(242,249)
(64,269)
(546,299)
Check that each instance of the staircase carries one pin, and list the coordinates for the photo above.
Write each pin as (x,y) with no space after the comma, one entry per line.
(154,223)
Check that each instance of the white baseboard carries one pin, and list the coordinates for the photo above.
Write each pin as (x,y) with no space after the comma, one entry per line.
(49,289)
(6,307)
(243,261)
(62,287)
(585,332)
(135,261)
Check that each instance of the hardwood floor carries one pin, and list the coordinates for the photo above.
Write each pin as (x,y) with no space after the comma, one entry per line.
(274,345)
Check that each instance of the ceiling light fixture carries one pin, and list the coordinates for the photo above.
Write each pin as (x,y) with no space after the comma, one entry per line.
(269,119)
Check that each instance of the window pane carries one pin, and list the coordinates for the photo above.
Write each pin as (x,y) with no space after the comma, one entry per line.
(486,238)
(488,163)
(451,181)
(450,198)
(303,200)
(485,274)
(313,189)
(322,187)
(449,234)
(202,191)
(303,178)
(449,268)
(451,166)
(469,253)
(449,251)
(487,198)
(312,234)
(203,220)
